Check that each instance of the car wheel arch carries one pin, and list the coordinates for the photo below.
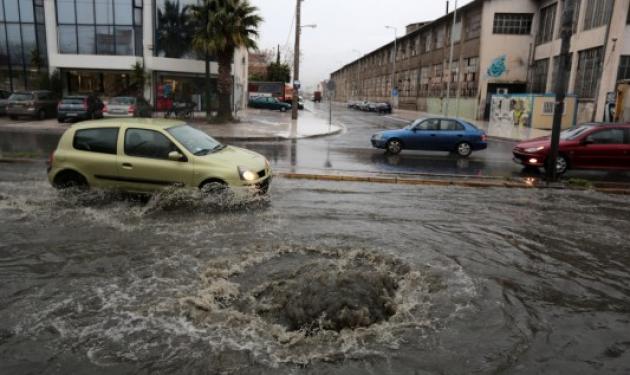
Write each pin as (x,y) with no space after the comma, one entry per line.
(68,174)
(212,180)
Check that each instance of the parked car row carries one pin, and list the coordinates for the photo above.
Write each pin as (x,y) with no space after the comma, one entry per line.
(588,146)
(365,106)
(42,104)
(274,104)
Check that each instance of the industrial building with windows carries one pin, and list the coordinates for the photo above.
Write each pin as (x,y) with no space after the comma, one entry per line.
(93,45)
(500,46)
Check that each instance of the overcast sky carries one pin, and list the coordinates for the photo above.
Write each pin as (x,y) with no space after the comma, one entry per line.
(342,26)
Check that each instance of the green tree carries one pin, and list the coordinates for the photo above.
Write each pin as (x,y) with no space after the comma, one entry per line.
(174,29)
(138,79)
(222,26)
(278,72)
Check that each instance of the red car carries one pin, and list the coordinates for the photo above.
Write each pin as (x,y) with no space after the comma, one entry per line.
(588,146)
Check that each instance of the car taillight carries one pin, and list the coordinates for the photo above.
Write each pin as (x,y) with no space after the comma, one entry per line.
(132,109)
(51,158)
(105,108)
(484,138)
(85,104)
(58,105)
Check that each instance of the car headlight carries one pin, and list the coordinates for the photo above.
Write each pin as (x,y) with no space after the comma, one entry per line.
(535,149)
(246,174)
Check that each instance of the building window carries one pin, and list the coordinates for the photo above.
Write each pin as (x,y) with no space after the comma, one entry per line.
(470,77)
(598,13)
(473,25)
(547,23)
(513,23)
(576,14)
(624,68)
(440,36)
(101,27)
(588,72)
(23,55)
(539,76)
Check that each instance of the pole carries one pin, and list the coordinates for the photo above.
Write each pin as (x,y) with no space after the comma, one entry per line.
(296,60)
(450,61)
(560,88)
(329,111)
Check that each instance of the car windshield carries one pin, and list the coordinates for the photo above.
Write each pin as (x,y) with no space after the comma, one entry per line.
(20,96)
(571,134)
(415,123)
(195,141)
(121,101)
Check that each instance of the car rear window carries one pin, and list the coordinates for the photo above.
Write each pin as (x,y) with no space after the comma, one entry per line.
(101,140)
(21,96)
(75,100)
(121,101)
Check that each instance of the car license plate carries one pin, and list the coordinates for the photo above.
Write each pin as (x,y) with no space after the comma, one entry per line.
(72,114)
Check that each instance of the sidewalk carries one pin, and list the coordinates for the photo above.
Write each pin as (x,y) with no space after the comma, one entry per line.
(254,125)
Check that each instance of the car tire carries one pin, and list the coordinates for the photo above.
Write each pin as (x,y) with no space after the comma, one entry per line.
(214,187)
(70,180)
(41,115)
(394,146)
(282,109)
(463,149)
(12,117)
(61,120)
(562,165)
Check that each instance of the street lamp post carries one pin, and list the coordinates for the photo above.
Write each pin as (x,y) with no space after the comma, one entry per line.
(296,58)
(395,55)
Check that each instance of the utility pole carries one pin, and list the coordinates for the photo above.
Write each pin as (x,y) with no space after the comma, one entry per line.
(296,60)
(394,67)
(450,60)
(560,88)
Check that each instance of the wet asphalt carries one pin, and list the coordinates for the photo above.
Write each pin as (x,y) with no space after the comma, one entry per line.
(316,278)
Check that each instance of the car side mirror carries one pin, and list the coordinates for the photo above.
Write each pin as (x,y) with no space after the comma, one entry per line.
(175,156)
(586,141)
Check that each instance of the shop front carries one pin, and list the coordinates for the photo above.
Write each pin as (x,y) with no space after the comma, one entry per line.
(106,84)
(181,87)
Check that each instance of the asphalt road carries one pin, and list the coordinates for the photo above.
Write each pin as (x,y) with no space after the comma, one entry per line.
(351,151)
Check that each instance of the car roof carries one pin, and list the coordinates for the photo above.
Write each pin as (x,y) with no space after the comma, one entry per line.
(144,123)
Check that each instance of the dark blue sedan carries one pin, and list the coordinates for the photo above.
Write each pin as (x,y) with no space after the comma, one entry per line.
(433,134)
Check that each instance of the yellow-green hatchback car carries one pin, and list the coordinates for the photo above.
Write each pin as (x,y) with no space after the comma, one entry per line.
(146,155)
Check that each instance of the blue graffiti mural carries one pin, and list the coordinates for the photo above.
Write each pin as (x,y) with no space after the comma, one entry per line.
(498,67)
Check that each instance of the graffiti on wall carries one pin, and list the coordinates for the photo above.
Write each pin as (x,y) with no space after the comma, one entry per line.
(498,67)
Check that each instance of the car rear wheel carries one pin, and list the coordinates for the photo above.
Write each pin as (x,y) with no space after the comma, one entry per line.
(394,147)
(283,109)
(41,115)
(70,179)
(464,149)
(12,117)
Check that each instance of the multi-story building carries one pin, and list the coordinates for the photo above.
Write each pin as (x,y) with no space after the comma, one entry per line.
(500,46)
(93,45)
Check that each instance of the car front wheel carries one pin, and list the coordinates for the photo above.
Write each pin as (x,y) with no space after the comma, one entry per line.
(562,165)
(283,109)
(464,149)
(394,147)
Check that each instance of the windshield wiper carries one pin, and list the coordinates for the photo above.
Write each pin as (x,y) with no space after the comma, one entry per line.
(203,151)
(219,147)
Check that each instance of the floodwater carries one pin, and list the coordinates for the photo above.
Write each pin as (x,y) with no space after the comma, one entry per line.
(316,278)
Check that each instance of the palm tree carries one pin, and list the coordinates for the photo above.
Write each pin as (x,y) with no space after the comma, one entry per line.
(174,29)
(138,78)
(220,27)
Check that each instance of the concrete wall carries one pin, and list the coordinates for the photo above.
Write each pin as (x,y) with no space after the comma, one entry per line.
(515,48)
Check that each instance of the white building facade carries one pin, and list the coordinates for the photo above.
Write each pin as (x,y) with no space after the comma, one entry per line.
(93,45)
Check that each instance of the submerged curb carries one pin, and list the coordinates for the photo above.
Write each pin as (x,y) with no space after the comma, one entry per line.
(444,182)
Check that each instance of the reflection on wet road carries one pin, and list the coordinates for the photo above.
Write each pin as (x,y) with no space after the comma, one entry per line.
(318,278)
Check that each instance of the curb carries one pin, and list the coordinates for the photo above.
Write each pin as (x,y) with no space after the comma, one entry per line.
(341,129)
(452,182)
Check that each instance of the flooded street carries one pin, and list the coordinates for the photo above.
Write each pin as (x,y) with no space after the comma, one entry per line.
(319,277)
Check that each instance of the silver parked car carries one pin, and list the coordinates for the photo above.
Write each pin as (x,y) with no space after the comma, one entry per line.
(4,100)
(127,106)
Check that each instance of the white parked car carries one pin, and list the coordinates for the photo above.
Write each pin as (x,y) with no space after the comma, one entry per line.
(127,106)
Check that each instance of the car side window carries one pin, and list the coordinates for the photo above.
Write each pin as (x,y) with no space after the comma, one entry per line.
(431,124)
(607,137)
(145,143)
(102,140)
(451,125)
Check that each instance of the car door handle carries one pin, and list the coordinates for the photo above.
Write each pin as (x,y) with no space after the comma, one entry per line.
(432,135)
(127,166)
